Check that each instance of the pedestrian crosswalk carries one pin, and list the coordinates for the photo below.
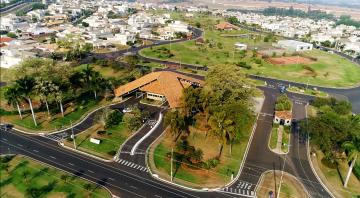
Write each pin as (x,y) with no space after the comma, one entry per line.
(53,137)
(240,188)
(132,165)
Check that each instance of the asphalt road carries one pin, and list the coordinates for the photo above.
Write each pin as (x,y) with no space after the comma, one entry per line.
(261,159)
(121,180)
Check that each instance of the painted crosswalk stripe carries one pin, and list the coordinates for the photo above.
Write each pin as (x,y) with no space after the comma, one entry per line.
(123,162)
(126,163)
(139,167)
(135,166)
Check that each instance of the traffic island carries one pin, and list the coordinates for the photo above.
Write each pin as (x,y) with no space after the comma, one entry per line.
(207,172)
(279,139)
(290,186)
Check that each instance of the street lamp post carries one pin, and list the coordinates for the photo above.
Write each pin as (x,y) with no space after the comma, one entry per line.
(72,134)
(171,172)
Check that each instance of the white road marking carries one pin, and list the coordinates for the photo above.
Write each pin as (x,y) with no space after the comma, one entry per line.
(126,163)
(5,139)
(158,196)
(20,145)
(112,179)
(71,164)
(133,187)
(36,151)
(91,171)
(53,157)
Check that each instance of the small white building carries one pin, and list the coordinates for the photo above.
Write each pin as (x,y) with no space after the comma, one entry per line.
(295,45)
(240,46)
(283,117)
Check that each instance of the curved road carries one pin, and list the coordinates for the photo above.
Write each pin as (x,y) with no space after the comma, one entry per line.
(128,176)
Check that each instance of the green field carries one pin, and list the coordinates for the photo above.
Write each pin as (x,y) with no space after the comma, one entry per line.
(23,177)
(328,70)
(110,141)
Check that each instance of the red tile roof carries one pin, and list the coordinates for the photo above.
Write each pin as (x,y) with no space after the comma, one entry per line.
(5,39)
(226,26)
(283,114)
(166,83)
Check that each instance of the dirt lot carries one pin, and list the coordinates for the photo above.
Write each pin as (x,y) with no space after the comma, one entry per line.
(289,60)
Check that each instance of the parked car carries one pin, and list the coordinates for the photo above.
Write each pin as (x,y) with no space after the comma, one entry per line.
(282,88)
(127,110)
(6,127)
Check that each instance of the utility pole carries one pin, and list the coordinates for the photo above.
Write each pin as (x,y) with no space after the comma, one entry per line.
(72,134)
(281,178)
(171,173)
(274,178)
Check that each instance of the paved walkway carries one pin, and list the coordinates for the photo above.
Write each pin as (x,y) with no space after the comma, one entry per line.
(279,139)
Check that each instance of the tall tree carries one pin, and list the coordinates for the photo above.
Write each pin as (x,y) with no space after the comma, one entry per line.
(223,128)
(177,123)
(26,88)
(353,149)
(44,89)
(13,97)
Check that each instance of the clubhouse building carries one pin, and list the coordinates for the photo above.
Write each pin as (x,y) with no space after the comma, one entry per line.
(166,86)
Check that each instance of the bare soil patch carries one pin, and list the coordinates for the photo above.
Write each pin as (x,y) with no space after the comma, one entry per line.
(289,60)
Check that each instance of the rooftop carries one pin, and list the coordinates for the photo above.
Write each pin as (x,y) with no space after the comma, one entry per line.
(283,114)
(167,83)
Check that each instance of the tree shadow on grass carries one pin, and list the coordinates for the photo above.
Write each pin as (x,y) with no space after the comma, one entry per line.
(20,165)
(40,173)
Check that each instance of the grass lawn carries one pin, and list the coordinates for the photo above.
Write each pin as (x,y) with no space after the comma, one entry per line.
(290,187)
(328,70)
(110,141)
(285,139)
(195,177)
(332,176)
(274,136)
(311,92)
(24,177)
(73,113)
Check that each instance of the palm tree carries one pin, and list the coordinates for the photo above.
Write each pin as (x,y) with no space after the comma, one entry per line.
(96,83)
(26,87)
(13,95)
(59,97)
(353,149)
(44,89)
(222,128)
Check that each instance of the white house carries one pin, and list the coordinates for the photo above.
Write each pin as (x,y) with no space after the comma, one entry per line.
(240,46)
(122,39)
(178,26)
(294,45)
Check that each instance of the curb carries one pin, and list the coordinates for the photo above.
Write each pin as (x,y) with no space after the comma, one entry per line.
(117,156)
(300,83)
(84,153)
(310,162)
(147,134)
(81,120)
(286,173)
(272,150)
(155,176)
(45,164)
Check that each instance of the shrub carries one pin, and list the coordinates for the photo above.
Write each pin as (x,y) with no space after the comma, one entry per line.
(101,132)
(114,118)
(112,153)
(283,103)
(257,61)
(243,65)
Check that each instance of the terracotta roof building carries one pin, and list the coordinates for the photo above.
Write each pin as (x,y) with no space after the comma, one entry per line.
(283,117)
(226,26)
(161,85)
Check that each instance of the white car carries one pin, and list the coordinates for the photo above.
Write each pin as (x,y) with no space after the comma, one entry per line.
(127,110)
